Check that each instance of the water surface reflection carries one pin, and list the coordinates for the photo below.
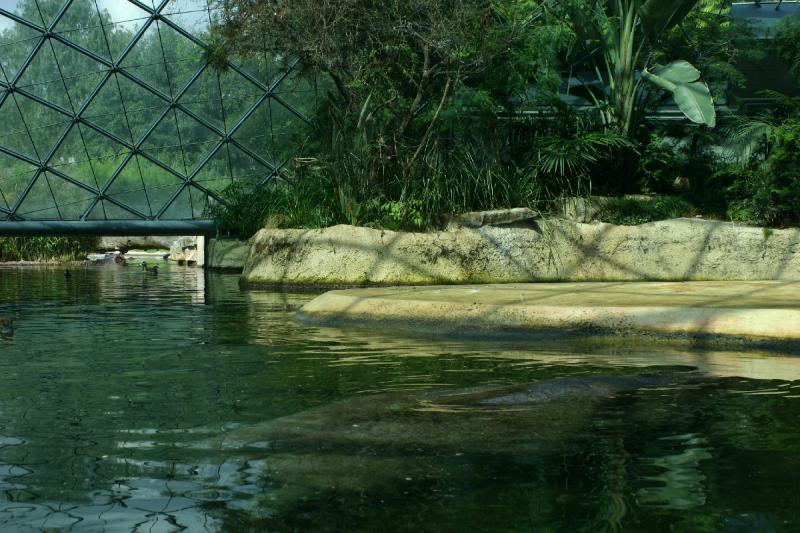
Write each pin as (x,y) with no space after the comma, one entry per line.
(161,403)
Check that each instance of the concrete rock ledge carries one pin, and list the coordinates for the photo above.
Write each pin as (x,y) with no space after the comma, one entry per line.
(754,312)
(541,250)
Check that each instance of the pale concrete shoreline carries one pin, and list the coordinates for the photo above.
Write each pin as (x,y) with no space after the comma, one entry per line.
(711,313)
(527,251)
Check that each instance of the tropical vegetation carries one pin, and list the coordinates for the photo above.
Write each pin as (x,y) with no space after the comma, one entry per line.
(433,108)
(422,109)
(44,249)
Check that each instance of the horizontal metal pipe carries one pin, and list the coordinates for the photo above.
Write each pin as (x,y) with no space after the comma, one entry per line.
(107,228)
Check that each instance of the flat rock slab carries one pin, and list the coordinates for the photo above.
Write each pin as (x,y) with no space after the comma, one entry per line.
(757,310)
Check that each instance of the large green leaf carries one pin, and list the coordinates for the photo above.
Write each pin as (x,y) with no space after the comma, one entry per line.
(660,15)
(677,72)
(694,100)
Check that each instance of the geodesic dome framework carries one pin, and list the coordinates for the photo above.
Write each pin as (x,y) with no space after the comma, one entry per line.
(109,111)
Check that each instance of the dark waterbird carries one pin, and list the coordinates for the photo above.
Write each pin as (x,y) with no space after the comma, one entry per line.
(6,327)
(150,269)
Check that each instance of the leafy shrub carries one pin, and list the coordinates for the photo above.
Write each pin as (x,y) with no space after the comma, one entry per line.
(776,191)
(403,215)
(787,41)
(249,207)
(634,211)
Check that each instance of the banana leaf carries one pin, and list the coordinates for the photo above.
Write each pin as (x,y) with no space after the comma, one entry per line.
(677,72)
(695,101)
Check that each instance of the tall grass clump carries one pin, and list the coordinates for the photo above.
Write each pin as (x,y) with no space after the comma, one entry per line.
(59,249)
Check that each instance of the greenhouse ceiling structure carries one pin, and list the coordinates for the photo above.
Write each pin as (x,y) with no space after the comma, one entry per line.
(112,119)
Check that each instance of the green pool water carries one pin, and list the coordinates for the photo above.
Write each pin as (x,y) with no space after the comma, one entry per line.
(177,402)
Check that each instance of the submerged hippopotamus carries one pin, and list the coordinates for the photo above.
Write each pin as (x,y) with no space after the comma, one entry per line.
(556,389)
(376,441)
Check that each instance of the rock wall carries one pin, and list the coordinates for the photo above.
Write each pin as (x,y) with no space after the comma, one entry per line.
(227,254)
(136,243)
(543,250)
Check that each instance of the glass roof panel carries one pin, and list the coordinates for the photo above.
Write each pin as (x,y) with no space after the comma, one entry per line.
(39,202)
(71,200)
(26,9)
(45,125)
(193,16)
(287,132)
(14,135)
(14,177)
(72,111)
(17,41)
(107,210)
(48,10)
(181,206)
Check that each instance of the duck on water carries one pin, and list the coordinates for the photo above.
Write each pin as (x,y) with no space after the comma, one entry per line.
(150,269)
(6,327)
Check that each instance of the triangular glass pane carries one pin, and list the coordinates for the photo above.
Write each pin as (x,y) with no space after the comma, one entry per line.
(229,163)
(123,12)
(126,21)
(71,200)
(41,78)
(14,177)
(184,58)
(122,106)
(88,156)
(25,9)
(82,25)
(146,61)
(105,167)
(299,91)
(216,184)
(48,10)
(288,132)
(191,15)
(180,208)
(98,146)
(203,99)
(71,159)
(14,135)
(199,202)
(128,188)
(238,96)
(148,195)
(161,184)
(196,140)
(163,143)
(266,68)
(16,43)
(105,210)
(164,59)
(143,108)
(81,73)
(39,203)
(45,125)
(256,132)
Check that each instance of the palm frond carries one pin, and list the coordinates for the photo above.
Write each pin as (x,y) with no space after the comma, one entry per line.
(746,134)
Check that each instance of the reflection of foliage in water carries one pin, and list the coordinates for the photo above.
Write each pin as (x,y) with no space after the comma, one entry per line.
(128,404)
(679,484)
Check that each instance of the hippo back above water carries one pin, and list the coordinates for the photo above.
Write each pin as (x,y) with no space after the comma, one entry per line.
(558,389)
